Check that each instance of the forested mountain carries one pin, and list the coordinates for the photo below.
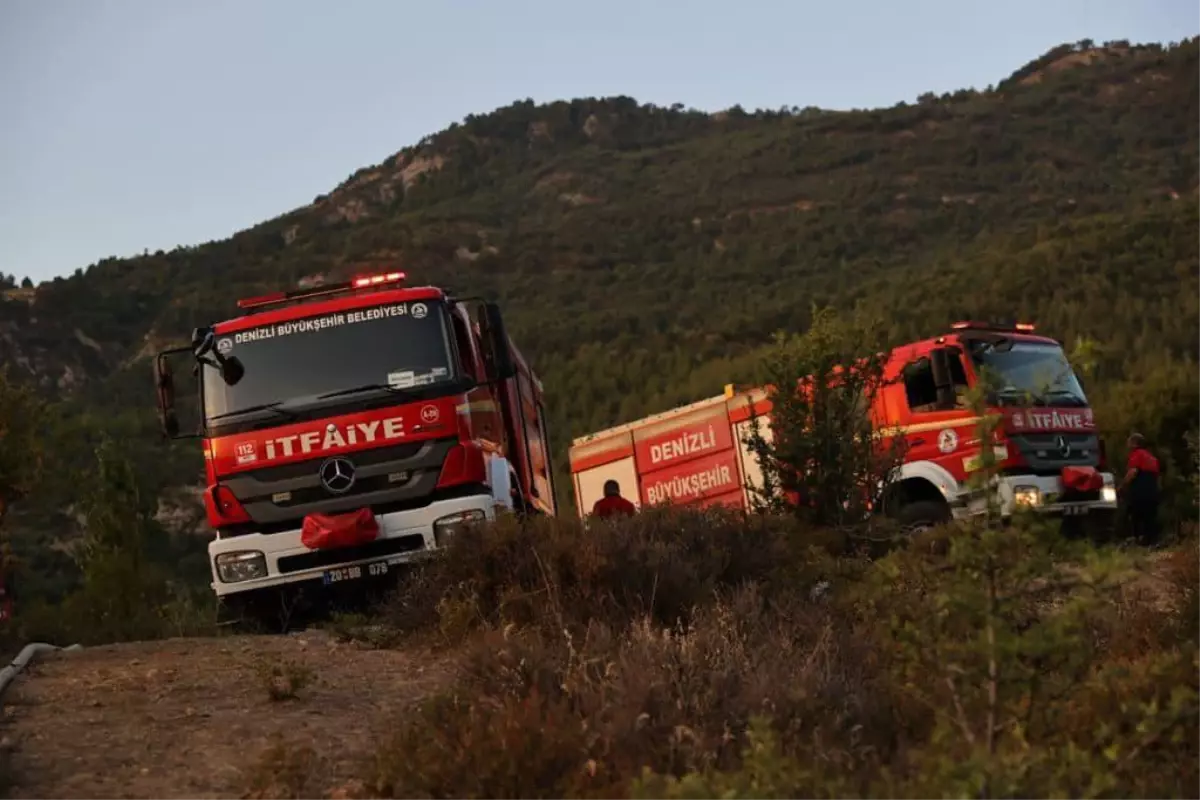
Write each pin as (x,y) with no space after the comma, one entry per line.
(644,254)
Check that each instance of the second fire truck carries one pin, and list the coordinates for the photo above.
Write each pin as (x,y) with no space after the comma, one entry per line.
(1049,453)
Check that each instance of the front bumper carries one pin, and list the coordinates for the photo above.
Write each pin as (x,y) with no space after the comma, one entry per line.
(1044,494)
(404,536)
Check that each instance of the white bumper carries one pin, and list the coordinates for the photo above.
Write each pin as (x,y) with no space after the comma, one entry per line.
(277,546)
(1042,493)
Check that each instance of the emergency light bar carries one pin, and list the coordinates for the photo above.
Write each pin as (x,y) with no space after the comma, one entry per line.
(975,325)
(375,280)
(275,298)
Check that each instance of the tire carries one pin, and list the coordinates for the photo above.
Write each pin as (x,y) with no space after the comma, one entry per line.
(255,614)
(235,617)
(922,515)
(1100,526)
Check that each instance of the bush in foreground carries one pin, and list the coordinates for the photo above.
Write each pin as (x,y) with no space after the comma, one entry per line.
(685,654)
(557,575)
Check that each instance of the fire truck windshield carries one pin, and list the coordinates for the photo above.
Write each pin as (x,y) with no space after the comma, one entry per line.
(403,347)
(1029,371)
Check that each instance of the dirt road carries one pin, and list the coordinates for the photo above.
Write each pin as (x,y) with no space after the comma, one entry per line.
(195,717)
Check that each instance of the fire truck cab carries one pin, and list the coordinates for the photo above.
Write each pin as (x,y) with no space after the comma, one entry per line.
(1048,453)
(350,428)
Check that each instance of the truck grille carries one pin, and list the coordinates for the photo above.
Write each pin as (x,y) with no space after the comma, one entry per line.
(278,497)
(364,458)
(1044,453)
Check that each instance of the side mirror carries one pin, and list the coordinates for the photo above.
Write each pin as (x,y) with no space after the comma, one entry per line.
(497,355)
(939,363)
(164,385)
(164,381)
(203,340)
(231,368)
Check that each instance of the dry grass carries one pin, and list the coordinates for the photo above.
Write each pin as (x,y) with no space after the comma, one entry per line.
(284,679)
(592,657)
(678,654)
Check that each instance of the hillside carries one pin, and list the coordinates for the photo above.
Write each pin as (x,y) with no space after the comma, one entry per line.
(644,255)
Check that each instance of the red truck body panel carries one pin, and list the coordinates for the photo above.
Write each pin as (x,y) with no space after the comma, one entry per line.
(692,455)
(329,436)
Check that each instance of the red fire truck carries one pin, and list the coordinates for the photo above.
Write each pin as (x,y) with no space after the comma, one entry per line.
(1049,455)
(349,428)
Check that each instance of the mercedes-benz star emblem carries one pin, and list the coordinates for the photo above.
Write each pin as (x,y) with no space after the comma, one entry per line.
(1064,447)
(337,475)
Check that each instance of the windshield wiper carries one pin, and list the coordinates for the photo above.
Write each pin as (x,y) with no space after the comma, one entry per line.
(366,387)
(251,409)
(1014,392)
(1065,394)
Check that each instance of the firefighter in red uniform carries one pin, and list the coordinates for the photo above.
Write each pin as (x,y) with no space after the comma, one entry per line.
(1141,487)
(612,504)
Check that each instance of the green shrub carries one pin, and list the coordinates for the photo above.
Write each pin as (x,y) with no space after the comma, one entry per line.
(122,595)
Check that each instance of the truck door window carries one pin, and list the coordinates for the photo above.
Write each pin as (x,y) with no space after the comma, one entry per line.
(544,467)
(466,350)
(920,390)
(535,423)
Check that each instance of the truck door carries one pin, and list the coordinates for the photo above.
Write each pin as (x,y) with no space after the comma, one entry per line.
(543,470)
(482,406)
(933,433)
(532,449)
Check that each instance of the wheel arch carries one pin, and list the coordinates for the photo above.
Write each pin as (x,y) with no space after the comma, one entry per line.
(920,481)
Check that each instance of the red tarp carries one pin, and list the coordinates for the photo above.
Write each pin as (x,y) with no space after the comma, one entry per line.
(325,531)
(1082,479)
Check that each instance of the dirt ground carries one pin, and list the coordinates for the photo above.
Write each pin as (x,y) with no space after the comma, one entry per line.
(195,717)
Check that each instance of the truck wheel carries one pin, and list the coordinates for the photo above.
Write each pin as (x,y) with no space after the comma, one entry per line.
(922,515)
(1100,526)
(251,615)
(235,616)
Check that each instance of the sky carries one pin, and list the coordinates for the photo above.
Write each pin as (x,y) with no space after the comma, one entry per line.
(133,124)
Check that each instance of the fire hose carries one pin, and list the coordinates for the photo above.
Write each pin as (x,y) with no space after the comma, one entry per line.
(24,657)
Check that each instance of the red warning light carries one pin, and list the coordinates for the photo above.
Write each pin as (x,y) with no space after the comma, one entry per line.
(375,280)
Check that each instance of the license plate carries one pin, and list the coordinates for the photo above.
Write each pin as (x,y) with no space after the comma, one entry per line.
(372,569)
(1074,511)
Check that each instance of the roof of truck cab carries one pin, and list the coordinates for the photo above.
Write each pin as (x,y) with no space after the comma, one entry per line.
(351,300)
(933,341)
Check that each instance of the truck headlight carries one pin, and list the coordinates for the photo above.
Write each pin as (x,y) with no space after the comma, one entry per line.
(1108,494)
(1027,496)
(244,565)
(444,528)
